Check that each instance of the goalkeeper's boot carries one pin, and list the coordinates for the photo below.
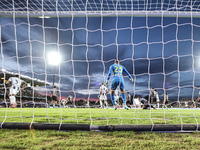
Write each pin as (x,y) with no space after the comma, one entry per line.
(125,107)
(115,107)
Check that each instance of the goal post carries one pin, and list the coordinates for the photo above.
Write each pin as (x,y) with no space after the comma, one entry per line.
(155,40)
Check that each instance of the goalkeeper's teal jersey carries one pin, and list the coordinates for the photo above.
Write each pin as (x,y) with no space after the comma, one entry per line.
(117,70)
(118,75)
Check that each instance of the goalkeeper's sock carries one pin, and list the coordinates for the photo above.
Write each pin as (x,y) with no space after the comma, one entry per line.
(166,107)
(112,98)
(124,99)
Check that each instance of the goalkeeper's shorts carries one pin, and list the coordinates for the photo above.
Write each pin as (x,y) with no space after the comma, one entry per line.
(117,81)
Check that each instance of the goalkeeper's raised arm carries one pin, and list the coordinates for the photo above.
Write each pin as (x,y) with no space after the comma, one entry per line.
(118,80)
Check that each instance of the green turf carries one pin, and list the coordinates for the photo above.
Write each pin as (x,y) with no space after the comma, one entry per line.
(100,116)
(78,140)
(49,139)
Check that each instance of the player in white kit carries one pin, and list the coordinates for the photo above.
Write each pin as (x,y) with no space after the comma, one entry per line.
(117,96)
(157,98)
(64,101)
(87,102)
(15,87)
(103,95)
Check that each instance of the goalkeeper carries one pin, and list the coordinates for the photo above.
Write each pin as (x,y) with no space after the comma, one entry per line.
(118,80)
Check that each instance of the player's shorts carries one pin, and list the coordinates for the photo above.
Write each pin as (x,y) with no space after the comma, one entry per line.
(14,90)
(167,102)
(145,106)
(54,98)
(103,97)
(87,105)
(157,100)
(117,81)
(128,102)
(154,100)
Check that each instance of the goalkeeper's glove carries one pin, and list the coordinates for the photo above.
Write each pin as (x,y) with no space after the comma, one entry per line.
(106,82)
(131,79)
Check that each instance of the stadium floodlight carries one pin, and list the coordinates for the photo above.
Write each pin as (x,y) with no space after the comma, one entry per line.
(54,59)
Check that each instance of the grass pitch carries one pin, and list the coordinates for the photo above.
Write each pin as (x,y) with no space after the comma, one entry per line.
(48,139)
(95,116)
(78,140)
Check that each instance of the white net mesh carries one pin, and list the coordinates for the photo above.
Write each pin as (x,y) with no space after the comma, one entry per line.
(156,40)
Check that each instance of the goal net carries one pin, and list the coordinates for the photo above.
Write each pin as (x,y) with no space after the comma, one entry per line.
(157,41)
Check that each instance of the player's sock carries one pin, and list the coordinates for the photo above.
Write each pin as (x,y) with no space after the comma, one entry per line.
(166,107)
(15,104)
(124,99)
(112,98)
(54,105)
(106,103)
(101,103)
(158,105)
(12,99)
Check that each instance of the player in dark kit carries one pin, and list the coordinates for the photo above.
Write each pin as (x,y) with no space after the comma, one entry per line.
(145,103)
(54,93)
(165,103)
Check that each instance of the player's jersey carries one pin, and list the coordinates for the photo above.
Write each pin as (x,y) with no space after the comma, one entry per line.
(118,70)
(166,98)
(70,98)
(15,82)
(87,101)
(153,93)
(63,101)
(156,96)
(128,96)
(54,91)
(103,90)
(143,100)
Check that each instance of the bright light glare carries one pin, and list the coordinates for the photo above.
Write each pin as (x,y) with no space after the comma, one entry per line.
(54,58)
(44,16)
(3,70)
